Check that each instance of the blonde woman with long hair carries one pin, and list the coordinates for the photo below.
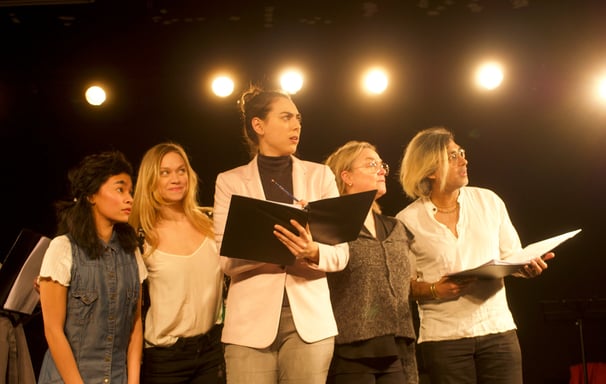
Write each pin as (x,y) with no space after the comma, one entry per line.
(182,326)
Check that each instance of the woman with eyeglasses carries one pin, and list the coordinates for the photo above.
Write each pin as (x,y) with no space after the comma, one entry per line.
(467,332)
(376,340)
(279,326)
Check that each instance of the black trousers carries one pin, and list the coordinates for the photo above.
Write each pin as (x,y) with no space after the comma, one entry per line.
(197,360)
(490,359)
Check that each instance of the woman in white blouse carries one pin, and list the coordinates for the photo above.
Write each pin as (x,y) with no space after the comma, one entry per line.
(467,333)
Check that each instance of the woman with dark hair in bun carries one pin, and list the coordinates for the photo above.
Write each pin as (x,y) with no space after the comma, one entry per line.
(90,280)
(279,325)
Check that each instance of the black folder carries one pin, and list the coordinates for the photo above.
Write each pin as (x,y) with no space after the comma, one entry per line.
(250,224)
(19,269)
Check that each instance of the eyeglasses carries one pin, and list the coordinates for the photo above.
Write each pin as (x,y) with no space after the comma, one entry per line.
(454,155)
(376,167)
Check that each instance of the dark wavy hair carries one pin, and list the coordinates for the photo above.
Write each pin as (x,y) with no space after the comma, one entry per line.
(75,216)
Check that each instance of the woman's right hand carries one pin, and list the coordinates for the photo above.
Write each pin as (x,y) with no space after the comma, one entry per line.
(448,289)
(301,245)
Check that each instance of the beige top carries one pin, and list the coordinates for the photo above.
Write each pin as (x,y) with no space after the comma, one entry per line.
(186,294)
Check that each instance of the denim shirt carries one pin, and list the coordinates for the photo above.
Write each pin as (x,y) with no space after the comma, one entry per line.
(101,306)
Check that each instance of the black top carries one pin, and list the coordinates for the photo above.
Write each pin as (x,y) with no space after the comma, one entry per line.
(279,169)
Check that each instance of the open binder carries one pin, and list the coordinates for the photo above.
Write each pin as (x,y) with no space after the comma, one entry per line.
(496,269)
(250,224)
(19,269)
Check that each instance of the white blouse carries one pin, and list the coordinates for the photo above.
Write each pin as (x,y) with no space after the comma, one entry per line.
(485,232)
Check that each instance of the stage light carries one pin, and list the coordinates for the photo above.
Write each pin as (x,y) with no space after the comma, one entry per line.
(489,76)
(375,81)
(291,81)
(95,95)
(223,86)
(601,89)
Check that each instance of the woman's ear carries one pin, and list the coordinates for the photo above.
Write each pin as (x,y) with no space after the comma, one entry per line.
(434,175)
(347,178)
(257,125)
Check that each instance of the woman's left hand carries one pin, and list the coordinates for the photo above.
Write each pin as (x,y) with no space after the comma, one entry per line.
(536,266)
(301,245)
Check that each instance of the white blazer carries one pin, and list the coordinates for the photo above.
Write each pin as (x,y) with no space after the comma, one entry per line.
(254,301)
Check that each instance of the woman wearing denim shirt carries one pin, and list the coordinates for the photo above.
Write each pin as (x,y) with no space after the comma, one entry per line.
(90,280)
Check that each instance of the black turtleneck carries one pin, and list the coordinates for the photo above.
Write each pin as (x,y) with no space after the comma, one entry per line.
(280,169)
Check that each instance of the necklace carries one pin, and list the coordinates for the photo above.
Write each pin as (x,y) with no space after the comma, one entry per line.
(448,210)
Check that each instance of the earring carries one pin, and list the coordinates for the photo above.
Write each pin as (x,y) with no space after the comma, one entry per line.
(350,184)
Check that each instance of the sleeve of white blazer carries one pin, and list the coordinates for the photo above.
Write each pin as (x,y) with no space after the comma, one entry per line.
(333,258)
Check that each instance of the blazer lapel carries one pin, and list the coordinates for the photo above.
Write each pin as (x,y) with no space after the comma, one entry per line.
(299,178)
(252,180)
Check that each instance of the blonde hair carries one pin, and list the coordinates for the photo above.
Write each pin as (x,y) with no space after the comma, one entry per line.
(425,155)
(147,201)
(342,159)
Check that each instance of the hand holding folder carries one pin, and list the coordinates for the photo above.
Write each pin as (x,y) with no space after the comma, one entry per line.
(496,269)
(250,224)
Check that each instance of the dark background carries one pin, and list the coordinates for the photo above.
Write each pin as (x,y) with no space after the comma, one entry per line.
(539,141)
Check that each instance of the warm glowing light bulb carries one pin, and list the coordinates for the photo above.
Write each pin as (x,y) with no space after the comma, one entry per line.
(291,81)
(489,76)
(95,95)
(602,89)
(375,81)
(223,86)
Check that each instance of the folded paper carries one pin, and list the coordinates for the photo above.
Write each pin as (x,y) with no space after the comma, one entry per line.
(495,269)
(19,269)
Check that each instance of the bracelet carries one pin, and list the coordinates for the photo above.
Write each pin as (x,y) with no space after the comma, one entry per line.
(434,293)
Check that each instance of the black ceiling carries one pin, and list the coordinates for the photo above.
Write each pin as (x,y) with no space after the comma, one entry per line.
(154,53)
